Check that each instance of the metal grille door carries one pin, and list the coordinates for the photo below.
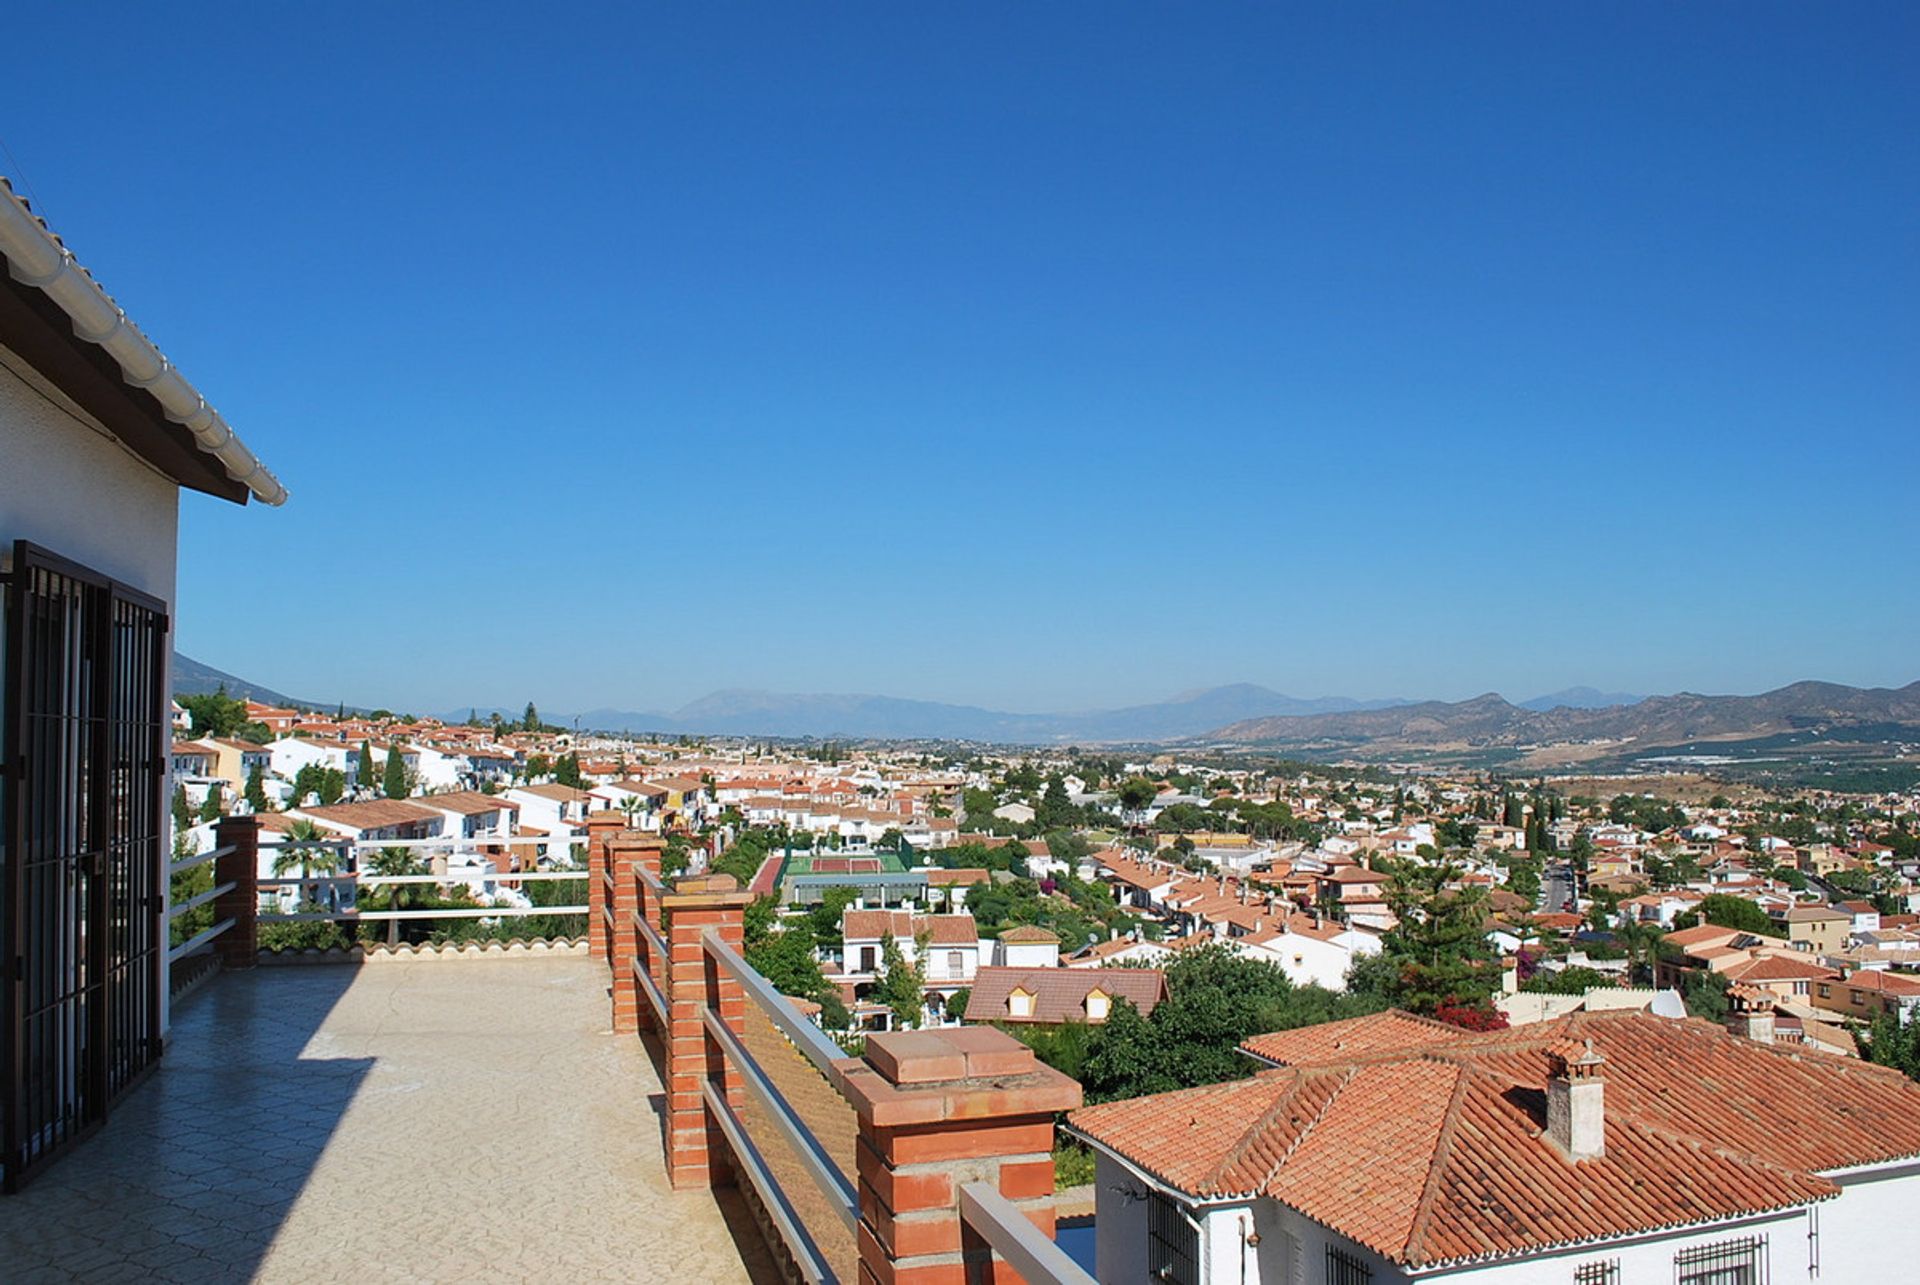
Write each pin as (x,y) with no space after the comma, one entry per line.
(84,850)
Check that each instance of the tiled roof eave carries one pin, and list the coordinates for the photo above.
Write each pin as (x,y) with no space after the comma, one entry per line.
(1652,1231)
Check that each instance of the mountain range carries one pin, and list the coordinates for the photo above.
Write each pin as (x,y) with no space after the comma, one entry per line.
(1238,714)
(1490,721)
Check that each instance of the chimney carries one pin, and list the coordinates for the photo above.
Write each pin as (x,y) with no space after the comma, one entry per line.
(1576,1102)
(1750,1013)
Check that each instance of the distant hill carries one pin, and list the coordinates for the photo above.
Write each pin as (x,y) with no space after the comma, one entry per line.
(743,712)
(1490,720)
(192,678)
(1580,698)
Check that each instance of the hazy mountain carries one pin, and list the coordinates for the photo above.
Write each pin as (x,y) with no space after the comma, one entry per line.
(192,678)
(740,712)
(1581,698)
(1490,721)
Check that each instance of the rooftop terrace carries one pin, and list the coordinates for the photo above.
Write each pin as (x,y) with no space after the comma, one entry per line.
(404,1120)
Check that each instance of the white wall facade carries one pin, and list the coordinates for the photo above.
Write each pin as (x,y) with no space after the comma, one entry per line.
(73,488)
(1867,1234)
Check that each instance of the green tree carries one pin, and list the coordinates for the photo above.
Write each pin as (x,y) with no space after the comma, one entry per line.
(567,771)
(210,806)
(530,721)
(785,957)
(393,783)
(901,984)
(182,810)
(1439,944)
(1136,792)
(367,778)
(306,861)
(1891,1042)
(391,863)
(1728,911)
(218,714)
(1216,998)
(256,792)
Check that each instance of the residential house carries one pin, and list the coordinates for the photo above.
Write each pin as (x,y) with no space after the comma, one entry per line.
(1584,1149)
(1815,928)
(1866,994)
(1055,996)
(99,435)
(376,819)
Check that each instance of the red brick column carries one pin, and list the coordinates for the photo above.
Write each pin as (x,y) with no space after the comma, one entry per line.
(626,851)
(600,827)
(695,905)
(239,946)
(939,1109)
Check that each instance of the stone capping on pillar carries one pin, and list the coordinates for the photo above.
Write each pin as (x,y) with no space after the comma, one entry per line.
(939,1109)
(695,1145)
(600,827)
(239,946)
(626,852)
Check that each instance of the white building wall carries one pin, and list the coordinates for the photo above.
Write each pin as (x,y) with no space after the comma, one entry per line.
(1870,1232)
(77,491)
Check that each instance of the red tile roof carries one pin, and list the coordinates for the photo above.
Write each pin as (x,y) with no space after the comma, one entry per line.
(1435,1154)
(1060,994)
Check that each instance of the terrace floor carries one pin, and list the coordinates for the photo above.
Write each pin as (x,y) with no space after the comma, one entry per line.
(430,1120)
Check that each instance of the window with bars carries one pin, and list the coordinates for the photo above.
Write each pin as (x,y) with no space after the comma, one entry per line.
(1173,1244)
(1604,1271)
(1344,1269)
(1728,1262)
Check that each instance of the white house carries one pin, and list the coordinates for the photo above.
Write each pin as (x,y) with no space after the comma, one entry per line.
(99,434)
(1596,1147)
(1312,950)
(291,753)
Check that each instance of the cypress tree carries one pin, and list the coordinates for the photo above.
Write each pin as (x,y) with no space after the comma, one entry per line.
(394,784)
(366,766)
(256,790)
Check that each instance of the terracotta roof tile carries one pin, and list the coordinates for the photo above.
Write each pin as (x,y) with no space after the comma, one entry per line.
(1435,1154)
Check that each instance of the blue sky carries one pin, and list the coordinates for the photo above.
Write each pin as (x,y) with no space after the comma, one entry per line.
(1033,356)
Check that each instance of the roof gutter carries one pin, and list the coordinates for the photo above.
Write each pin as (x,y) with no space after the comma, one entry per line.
(36,258)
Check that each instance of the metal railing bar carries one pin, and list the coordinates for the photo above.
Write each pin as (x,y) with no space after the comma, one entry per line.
(808,1038)
(197,941)
(655,942)
(460,875)
(806,1255)
(1014,1237)
(442,841)
(653,881)
(194,903)
(813,1157)
(476,912)
(651,989)
(211,854)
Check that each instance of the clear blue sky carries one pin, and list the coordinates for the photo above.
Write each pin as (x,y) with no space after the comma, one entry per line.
(1034,356)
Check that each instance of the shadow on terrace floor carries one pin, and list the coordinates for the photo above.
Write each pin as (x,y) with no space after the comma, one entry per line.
(438,1119)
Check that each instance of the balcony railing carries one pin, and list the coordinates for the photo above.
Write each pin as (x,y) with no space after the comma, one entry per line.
(677,967)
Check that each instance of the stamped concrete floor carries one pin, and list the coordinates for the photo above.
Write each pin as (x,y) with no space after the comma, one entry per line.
(437,1120)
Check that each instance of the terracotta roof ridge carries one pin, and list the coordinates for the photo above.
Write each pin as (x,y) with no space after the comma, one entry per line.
(1254,1133)
(1410,1252)
(1346,1075)
(1720,1150)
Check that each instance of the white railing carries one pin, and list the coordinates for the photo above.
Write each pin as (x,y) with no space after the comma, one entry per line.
(463,877)
(205,938)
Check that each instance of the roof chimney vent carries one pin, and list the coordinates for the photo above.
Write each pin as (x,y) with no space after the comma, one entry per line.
(1750,1013)
(1576,1101)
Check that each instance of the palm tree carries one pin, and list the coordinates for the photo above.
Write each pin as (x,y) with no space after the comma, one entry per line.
(390,862)
(297,854)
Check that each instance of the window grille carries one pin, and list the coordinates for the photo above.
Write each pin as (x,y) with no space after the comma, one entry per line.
(1605,1271)
(1344,1269)
(1730,1262)
(1173,1245)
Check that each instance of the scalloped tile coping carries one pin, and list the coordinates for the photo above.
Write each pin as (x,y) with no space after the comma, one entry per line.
(517,948)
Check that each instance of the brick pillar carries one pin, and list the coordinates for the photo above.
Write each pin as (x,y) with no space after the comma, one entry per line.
(695,905)
(600,827)
(239,946)
(626,850)
(939,1109)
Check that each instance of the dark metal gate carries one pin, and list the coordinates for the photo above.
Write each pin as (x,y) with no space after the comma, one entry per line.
(83,824)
